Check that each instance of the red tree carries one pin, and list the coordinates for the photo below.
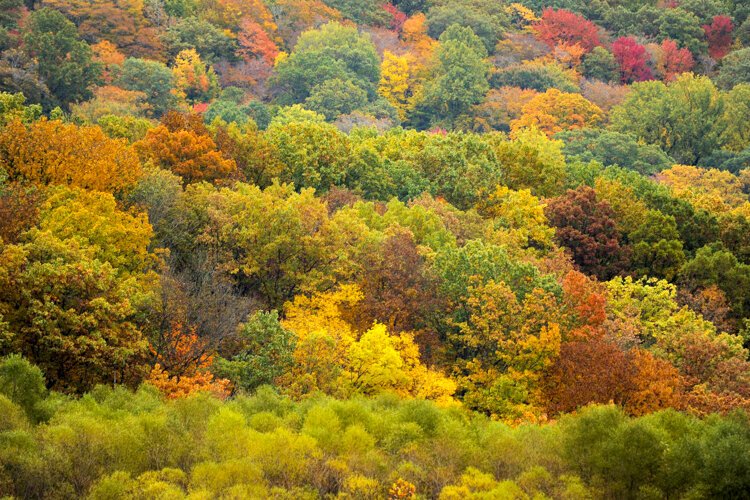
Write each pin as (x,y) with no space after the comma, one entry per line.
(719,36)
(563,26)
(255,43)
(673,60)
(398,18)
(633,60)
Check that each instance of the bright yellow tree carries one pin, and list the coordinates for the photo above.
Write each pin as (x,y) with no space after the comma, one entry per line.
(394,82)
(555,111)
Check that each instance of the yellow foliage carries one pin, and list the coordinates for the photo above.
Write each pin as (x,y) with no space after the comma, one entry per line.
(331,356)
(53,152)
(555,111)
(394,82)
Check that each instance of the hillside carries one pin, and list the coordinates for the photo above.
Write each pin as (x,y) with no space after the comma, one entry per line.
(355,249)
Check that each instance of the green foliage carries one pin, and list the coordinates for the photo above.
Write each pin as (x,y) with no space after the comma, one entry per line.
(192,33)
(459,77)
(614,149)
(64,61)
(682,118)
(22,383)
(333,51)
(153,79)
(265,354)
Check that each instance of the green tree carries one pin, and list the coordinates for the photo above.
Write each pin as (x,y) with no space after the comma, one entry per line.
(683,118)
(734,69)
(459,78)
(265,353)
(333,51)
(64,61)
(152,78)
(600,64)
(335,97)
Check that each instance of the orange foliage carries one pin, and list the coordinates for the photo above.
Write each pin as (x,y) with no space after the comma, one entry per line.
(192,156)
(255,43)
(53,152)
(183,363)
(174,387)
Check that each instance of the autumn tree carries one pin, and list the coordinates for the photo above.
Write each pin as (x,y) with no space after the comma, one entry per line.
(53,152)
(395,82)
(254,42)
(673,61)
(190,155)
(70,313)
(195,79)
(585,226)
(563,26)
(719,36)
(633,60)
(555,111)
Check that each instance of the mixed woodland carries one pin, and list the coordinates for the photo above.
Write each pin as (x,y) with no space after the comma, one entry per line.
(455,249)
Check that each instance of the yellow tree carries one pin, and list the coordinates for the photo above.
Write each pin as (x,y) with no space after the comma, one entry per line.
(555,111)
(193,78)
(394,82)
(53,152)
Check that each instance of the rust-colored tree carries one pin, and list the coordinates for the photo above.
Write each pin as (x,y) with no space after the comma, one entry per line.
(587,228)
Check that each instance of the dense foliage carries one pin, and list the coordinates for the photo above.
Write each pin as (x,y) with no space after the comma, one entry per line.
(455,249)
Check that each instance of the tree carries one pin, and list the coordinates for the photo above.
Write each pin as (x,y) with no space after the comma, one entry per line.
(600,64)
(399,290)
(256,157)
(395,82)
(486,22)
(72,315)
(23,383)
(265,352)
(64,61)
(197,81)
(504,346)
(121,22)
(152,78)
(188,154)
(719,36)
(120,238)
(335,97)
(333,51)
(459,78)
(585,226)
(682,118)
(673,61)
(555,111)
(314,154)
(683,27)
(614,148)
(532,161)
(53,152)
(633,60)
(735,69)
(210,42)
(254,42)
(563,26)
